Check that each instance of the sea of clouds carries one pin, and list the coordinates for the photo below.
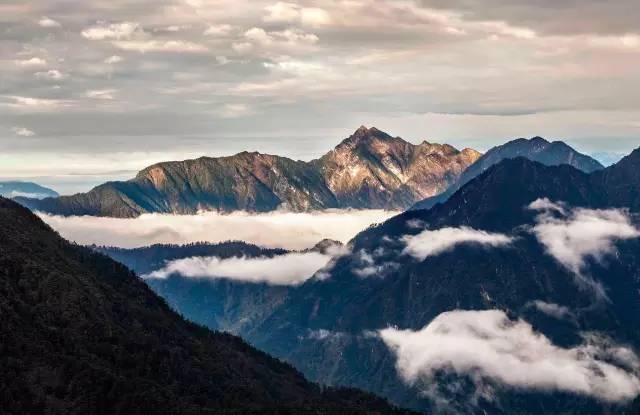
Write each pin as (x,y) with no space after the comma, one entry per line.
(287,230)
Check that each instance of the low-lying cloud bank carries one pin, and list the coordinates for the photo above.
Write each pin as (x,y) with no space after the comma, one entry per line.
(574,235)
(275,229)
(488,346)
(289,269)
(428,243)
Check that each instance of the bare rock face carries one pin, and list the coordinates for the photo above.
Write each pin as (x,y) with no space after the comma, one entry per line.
(369,169)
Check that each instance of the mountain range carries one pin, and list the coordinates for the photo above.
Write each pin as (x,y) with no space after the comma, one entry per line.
(82,334)
(370,169)
(537,149)
(11,189)
(331,327)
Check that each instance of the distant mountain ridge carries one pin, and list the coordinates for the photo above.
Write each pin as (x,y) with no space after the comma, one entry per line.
(11,189)
(538,149)
(369,169)
(334,318)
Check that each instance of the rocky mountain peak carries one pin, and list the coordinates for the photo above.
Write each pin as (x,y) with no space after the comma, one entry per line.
(364,135)
(369,169)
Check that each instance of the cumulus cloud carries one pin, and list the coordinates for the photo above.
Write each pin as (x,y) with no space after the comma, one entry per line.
(31,63)
(581,234)
(111,31)
(48,22)
(275,229)
(428,243)
(288,269)
(367,64)
(489,347)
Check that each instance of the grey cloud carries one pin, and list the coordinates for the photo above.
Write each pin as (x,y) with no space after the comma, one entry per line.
(463,71)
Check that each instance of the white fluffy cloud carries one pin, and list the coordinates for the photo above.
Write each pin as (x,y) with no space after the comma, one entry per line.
(487,346)
(580,234)
(428,243)
(31,63)
(289,269)
(48,22)
(111,31)
(276,229)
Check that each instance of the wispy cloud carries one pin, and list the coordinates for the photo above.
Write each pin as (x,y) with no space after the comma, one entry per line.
(36,104)
(489,347)
(23,132)
(553,310)
(276,229)
(289,269)
(428,243)
(579,234)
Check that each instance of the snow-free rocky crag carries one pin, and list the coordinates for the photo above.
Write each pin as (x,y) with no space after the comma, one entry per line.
(369,169)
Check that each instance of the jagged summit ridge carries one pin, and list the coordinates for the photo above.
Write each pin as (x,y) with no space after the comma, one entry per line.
(368,169)
(538,149)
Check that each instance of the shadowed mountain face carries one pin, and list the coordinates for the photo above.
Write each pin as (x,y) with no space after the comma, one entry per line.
(25,189)
(409,293)
(328,327)
(218,303)
(537,149)
(370,169)
(81,334)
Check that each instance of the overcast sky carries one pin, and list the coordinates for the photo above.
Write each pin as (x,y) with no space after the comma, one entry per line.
(94,90)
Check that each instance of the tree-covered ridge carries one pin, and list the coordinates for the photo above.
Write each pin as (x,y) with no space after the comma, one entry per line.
(82,334)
